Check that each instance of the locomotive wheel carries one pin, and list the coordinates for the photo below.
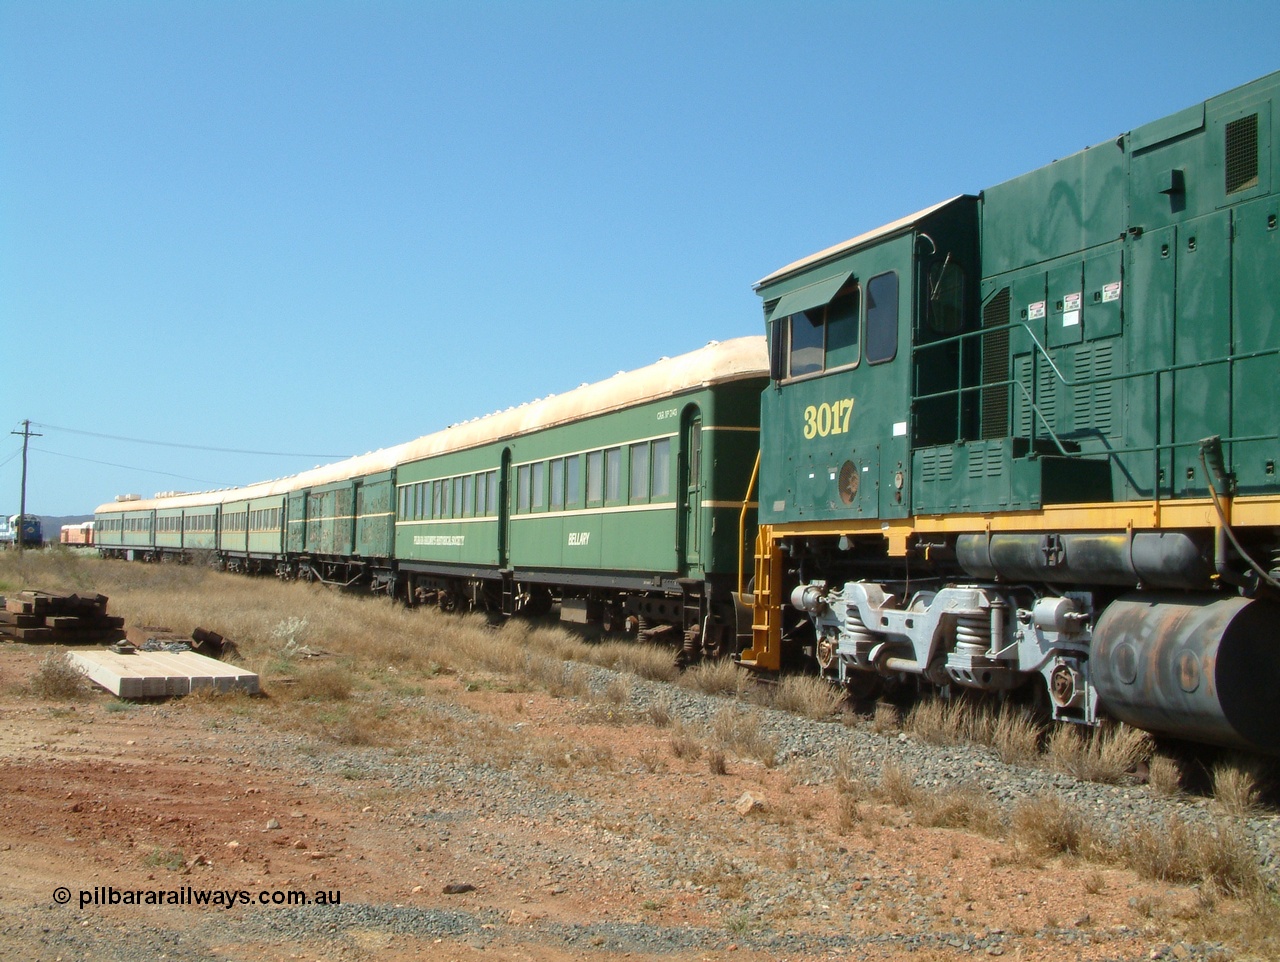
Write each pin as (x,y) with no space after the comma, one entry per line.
(863,686)
(537,602)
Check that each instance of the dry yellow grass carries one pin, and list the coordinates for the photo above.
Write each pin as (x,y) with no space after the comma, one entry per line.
(736,729)
(56,679)
(966,807)
(1106,754)
(1173,850)
(1237,785)
(807,695)
(718,677)
(1046,826)
(1164,776)
(886,719)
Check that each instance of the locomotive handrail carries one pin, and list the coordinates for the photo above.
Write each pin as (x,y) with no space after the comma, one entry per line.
(1068,382)
(1042,351)
(742,524)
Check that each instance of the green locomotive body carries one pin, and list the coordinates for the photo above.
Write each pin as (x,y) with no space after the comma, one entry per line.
(1021,440)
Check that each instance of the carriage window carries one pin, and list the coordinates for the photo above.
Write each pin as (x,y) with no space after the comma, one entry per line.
(468,491)
(640,471)
(522,489)
(539,485)
(613,474)
(572,483)
(557,484)
(882,318)
(662,468)
(492,485)
(806,342)
(595,477)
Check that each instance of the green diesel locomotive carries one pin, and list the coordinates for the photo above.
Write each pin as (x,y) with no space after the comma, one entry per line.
(1028,439)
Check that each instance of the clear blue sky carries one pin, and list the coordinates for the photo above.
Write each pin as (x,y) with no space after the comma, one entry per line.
(320,228)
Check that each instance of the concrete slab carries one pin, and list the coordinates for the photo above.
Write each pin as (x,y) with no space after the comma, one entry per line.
(156,674)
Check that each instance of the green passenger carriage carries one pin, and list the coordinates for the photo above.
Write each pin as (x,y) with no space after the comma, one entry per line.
(624,502)
(621,500)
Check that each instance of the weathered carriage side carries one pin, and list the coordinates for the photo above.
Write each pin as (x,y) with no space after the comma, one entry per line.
(621,500)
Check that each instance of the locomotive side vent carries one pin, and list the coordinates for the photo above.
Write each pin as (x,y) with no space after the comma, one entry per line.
(1242,154)
(936,464)
(995,368)
(1093,405)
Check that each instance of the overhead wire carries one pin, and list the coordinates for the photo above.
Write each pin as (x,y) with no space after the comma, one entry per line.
(190,447)
(132,467)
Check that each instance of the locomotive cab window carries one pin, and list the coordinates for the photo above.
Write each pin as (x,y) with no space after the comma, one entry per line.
(824,338)
(807,329)
(944,298)
(882,318)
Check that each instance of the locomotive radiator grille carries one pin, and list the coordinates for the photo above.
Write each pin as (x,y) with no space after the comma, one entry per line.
(1242,154)
(995,368)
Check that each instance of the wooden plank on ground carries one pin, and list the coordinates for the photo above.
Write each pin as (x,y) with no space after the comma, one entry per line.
(156,674)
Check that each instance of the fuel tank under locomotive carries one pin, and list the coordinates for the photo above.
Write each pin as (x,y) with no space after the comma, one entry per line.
(1202,667)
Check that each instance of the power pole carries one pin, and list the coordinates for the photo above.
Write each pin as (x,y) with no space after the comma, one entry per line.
(27,435)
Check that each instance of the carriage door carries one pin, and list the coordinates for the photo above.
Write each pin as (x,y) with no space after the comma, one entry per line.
(504,508)
(692,483)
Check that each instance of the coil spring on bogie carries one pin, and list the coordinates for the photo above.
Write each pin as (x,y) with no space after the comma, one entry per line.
(855,628)
(973,632)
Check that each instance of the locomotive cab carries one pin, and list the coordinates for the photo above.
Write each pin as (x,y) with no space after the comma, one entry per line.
(846,332)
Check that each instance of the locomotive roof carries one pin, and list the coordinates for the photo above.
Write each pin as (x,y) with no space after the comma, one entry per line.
(718,363)
(887,230)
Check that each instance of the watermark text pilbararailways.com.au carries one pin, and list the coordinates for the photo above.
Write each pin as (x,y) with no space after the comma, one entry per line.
(106,895)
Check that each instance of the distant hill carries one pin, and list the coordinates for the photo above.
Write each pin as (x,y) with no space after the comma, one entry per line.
(50,526)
